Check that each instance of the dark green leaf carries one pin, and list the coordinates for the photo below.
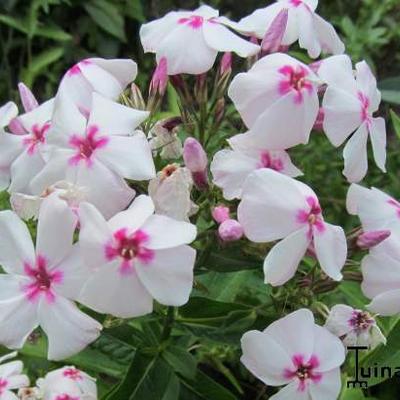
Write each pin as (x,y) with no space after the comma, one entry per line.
(181,361)
(396,123)
(134,10)
(390,89)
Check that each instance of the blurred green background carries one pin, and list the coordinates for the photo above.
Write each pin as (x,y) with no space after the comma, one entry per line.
(41,38)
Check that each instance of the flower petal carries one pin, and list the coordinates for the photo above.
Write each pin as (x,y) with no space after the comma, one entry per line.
(386,304)
(7,112)
(328,388)
(290,392)
(378,140)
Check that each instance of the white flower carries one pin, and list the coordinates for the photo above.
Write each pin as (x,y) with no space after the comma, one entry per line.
(106,77)
(295,352)
(8,111)
(11,377)
(278,101)
(165,140)
(24,155)
(304,25)
(170,192)
(97,153)
(349,104)
(354,327)
(69,382)
(275,206)
(134,257)
(230,168)
(191,40)
(38,286)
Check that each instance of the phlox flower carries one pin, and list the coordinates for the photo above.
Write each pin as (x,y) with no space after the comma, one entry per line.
(170,191)
(106,77)
(11,377)
(165,140)
(278,101)
(304,25)
(231,167)
(97,153)
(296,352)
(24,155)
(39,286)
(354,327)
(134,257)
(275,206)
(349,104)
(191,40)
(67,383)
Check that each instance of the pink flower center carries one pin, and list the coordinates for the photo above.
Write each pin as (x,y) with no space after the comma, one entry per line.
(3,385)
(295,80)
(296,3)
(360,321)
(73,373)
(313,216)
(37,137)
(268,161)
(66,397)
(76,69)
(86,145)
(365,103)
(129,247)
(194,21)
(303,371)
(395,204)
(42,280)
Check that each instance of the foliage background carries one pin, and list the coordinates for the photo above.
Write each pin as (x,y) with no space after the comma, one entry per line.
(40,39)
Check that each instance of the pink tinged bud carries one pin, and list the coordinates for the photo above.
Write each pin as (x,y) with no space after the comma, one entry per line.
(15,126)
(194,155)
(230,230)
(159,80)
(372,238)
(220,214)
(319,122)
(274,35)
(226,63)
(28,100)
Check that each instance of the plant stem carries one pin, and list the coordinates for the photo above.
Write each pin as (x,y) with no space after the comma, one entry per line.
(168,323)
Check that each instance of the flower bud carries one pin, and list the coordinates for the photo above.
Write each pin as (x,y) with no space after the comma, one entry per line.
(230,230)
(137,98)
(194,155)
(220,214)
(366,240)
(15,126)
(28,100)
(159,81)
(274,35)
(201,89)
(226,64)
(219,110)
(319,122)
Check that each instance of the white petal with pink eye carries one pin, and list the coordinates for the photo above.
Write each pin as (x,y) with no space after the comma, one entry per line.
(282,260)
(165,232)
(220,38)
(68,329)
(367,82)
(381,273)
(387,303)
(341,114)
(55,230)
(169,275)
(265,358)
(16,245)
(327,36)
(99,180)
(7,112)
(120,294)
(328,348)
(130,157)
(113,118)
(337,71)
(294,332)
(290,392)
(355,155)
(186,50)
(377,133)
(18,316)
(38,116)
(270,203)
(331,249)
(329,386)
(135,216)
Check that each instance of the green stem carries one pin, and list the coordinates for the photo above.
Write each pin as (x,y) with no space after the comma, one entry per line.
(168,323)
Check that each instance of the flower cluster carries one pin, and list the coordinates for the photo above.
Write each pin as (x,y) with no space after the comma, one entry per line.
(118,194)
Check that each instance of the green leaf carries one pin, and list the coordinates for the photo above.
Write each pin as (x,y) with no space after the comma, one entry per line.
(384,356)
(15,23)
(134,10)
(54,33)
(204,388)
(390,89)
(396,122)
(107,16)
(352,394)
(181,361)
(229,260)
(40,63)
